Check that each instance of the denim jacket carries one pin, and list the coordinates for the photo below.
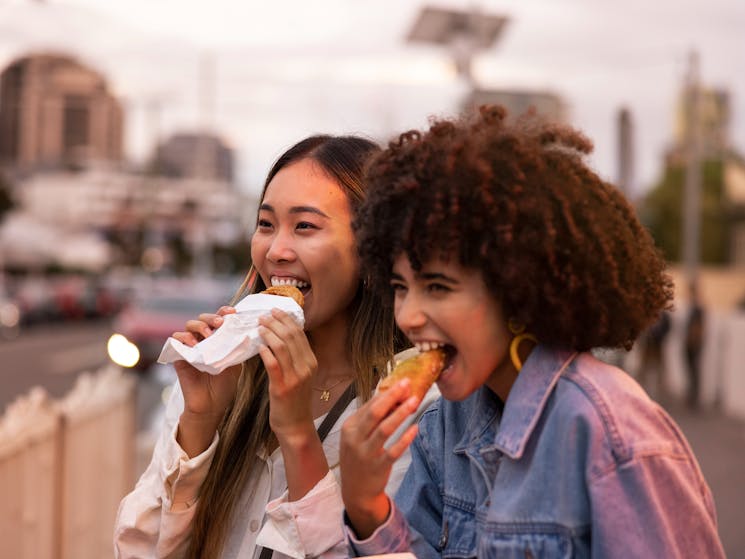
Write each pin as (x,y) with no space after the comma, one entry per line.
(578,463)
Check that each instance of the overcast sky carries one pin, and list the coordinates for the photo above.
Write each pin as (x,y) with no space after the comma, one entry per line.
(282,69)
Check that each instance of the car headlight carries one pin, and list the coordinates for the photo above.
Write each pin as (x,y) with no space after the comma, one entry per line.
(9,315)
(122,352)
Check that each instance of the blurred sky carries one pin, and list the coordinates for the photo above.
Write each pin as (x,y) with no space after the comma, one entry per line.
(282,69)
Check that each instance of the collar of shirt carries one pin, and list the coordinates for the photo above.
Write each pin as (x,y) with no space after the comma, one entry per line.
(528,398)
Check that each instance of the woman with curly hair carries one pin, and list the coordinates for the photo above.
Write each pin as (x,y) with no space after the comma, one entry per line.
(499,245)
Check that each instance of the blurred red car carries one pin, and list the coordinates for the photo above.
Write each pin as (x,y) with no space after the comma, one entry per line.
(149,320)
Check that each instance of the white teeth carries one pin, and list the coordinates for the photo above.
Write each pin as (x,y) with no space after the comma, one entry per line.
(426,346)
(288,281)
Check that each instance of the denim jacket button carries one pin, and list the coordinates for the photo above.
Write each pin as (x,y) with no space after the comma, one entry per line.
(443,537)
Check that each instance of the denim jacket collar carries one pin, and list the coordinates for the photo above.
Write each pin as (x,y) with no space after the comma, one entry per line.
(528,397)
(524,405)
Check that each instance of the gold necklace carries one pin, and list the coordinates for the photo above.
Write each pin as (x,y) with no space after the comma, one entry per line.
(326,392)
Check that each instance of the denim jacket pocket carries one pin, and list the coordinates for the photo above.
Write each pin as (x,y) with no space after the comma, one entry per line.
(528,541)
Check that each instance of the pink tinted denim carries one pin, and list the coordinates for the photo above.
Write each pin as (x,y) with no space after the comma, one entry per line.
(578,463)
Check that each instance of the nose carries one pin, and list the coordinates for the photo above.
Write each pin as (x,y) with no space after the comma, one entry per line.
(281,249)
(409,312)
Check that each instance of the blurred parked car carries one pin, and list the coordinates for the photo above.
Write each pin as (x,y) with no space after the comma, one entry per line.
(142,328)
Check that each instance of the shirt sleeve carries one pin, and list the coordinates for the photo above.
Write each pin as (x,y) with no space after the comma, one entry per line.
(654,506)
(308,527)
(312,526)
(415,522)
(154,520)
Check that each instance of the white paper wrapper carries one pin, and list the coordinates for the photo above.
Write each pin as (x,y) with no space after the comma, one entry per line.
(236,339)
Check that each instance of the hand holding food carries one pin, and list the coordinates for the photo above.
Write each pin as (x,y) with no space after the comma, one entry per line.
(237,338)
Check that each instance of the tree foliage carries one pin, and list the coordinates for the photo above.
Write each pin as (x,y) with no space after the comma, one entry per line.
(662,211)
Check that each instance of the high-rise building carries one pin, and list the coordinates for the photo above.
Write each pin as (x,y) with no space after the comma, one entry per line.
(713,124)
(195,155)
(625,128)
(55,112)
(545,103)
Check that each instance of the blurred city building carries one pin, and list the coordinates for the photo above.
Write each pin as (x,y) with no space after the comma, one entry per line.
(625,128)
(722,187)
(147,220)
(713,126)
(56,112)
(545,103)
(194,154)
(76,204)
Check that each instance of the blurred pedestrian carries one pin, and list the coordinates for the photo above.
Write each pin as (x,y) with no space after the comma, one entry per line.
(694,343)
(652,368)
(245,465)
(499,245)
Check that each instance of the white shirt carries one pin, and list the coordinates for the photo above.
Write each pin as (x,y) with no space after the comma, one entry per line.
(154,520)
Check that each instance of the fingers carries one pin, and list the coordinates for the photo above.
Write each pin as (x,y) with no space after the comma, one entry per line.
(226,309)
(395,450)
(378,420)
(186,338)
(291,353)
(393,421)
(383,404)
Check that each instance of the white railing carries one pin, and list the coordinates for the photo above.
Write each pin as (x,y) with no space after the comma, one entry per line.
(64,467)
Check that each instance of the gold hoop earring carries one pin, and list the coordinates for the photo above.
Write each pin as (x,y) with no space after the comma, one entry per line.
(518,329)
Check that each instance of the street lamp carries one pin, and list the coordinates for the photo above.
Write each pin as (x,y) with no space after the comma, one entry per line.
(463,32)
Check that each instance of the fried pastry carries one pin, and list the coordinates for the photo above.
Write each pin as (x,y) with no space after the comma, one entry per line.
(286,291)
(422,370)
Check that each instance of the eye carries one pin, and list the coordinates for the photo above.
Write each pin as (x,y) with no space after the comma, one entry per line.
(397,287)
(264,224)
(435,287)
(306,225)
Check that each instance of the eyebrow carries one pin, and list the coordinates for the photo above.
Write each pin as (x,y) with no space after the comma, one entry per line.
(296,210)
(428,276)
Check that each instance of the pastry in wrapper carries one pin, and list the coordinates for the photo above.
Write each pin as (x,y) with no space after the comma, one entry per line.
(286,291)
(422,371)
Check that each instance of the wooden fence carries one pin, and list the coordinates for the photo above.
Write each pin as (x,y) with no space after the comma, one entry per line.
(64,467)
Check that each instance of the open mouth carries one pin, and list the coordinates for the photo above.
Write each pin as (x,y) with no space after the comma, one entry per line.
(302,285)
(450,351)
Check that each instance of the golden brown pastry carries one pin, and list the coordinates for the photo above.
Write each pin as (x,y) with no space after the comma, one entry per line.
(422,370)
(286,291)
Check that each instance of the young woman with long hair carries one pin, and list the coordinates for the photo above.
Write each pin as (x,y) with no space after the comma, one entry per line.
(240,470)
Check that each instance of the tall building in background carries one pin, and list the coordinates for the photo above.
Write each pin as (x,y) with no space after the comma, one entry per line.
(713,124)
(546,104)
(56,112)
(625,178)
(195,155)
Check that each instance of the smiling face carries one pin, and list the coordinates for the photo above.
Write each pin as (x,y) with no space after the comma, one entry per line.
(304,238)
(446,304)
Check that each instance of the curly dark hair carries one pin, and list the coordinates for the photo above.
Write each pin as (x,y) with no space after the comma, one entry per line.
(562,250)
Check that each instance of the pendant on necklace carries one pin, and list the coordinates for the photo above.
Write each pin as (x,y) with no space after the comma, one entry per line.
(325,395)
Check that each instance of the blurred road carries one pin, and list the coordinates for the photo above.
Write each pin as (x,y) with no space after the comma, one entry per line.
(51,356)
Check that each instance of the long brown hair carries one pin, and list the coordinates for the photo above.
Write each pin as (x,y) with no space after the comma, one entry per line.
(245,433)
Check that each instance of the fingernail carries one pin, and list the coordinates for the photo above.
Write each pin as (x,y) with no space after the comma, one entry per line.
(219,320)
